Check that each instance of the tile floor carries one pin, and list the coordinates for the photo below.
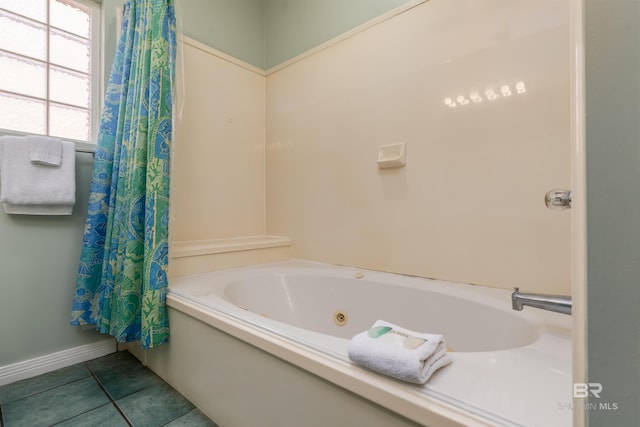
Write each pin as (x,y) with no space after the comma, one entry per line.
(112,391)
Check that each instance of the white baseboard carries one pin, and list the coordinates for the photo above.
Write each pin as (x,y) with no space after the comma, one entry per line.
(50,362)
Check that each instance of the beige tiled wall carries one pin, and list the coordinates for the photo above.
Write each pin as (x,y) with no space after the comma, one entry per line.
(218,172)
(468,206)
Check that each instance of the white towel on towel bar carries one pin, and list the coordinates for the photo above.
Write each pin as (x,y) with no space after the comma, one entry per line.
(32,188)
(45,150)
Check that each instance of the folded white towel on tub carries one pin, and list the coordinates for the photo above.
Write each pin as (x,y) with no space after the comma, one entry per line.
(398,352)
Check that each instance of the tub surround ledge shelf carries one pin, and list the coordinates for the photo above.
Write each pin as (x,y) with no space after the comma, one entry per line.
(200,256)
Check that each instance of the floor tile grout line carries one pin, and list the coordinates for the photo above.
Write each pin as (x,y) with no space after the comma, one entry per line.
(124,416)
(29,396)
(178,417)
(80,414)
(137,391)
(59,386)
(95,375)
(113,402)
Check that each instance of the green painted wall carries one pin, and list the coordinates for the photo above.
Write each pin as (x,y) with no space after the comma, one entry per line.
(38,263)
(262,33)
(235,27)
(295,26)
(612,76)
(109,30)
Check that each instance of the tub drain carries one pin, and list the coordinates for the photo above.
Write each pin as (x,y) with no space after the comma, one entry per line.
(340,318)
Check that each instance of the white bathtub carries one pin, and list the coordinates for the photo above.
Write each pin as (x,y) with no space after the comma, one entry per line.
(509,368)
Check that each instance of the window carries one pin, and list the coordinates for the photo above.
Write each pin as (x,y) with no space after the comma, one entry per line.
(48,67)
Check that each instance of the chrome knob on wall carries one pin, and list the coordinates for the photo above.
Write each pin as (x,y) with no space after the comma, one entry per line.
(558,199)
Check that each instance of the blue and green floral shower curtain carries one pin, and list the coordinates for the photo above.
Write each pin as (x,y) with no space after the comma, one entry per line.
(122,276)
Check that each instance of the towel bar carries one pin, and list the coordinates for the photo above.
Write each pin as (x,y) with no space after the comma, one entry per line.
(85,147)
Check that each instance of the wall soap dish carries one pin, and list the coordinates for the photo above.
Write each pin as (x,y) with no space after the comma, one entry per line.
(392,156)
